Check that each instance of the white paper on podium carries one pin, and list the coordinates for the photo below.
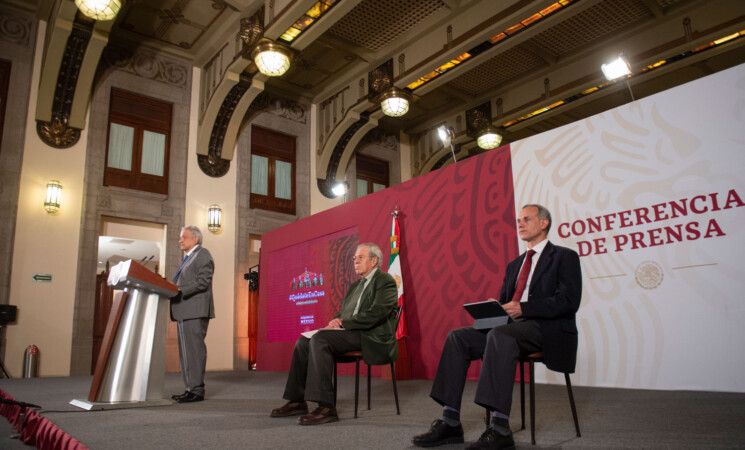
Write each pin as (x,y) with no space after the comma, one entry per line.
(118,273)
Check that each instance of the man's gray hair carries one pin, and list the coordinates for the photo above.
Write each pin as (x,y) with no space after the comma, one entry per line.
(194,232)
(543,213)
(374,251)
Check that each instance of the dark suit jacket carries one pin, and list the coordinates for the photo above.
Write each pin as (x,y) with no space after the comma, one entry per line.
(553,299)
(376,318)
(194,300)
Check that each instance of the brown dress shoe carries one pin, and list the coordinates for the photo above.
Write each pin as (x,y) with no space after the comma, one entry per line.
(322,414)
(290,409)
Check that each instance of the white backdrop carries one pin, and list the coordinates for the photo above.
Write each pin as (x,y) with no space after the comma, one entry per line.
(663,284)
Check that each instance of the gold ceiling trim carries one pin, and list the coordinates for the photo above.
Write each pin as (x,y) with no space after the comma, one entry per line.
(523,25)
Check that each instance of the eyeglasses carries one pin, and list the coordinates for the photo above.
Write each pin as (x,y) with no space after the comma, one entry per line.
(360,257)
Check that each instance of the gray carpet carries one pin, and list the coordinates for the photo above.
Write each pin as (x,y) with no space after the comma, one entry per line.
(236,415)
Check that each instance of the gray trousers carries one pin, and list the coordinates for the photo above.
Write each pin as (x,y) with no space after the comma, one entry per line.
(192,352)
(499,348)
(312,368)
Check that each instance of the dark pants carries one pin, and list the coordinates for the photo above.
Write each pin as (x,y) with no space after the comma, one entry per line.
(193,352)
(312,368)
(500,349)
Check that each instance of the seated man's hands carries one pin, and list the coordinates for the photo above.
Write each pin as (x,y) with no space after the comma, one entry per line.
(513,309)
(335,323)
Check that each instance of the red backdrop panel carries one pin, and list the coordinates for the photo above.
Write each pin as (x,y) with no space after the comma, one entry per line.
(457,236)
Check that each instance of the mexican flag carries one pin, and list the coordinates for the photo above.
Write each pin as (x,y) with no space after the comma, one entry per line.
(394,268)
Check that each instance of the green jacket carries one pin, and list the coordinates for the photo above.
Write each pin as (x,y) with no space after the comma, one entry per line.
(376,318)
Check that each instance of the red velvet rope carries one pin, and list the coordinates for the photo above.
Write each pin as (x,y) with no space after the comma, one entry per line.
(37,430)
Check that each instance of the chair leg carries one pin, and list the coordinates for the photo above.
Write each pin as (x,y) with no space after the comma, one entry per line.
(395,389)
(571,402)
(532,403)
(522,394)
(369,377)
(335,384)
(356,385)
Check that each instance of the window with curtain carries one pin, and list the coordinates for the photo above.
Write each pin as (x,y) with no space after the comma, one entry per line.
(138,144)
(372,175)
(272,170)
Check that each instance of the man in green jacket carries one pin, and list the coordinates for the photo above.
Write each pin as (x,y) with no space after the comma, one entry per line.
(367,322)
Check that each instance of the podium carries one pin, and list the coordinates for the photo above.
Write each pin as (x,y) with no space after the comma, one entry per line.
(130,371)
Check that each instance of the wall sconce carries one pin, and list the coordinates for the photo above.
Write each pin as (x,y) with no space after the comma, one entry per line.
(214,218)
(489,138)
(54,193)
(395,102)
(99,9)
(271,58)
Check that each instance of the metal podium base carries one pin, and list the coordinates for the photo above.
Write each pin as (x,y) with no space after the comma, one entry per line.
(98,406)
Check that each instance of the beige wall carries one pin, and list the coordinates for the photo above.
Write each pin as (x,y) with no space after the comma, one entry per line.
(46,244)
(201,192)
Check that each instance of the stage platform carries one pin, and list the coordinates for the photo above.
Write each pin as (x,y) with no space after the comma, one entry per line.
(236,415)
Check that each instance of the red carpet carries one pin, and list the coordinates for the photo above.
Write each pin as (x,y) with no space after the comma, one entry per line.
(38,431)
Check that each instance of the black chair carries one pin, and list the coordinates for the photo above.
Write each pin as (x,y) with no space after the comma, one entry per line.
(356,357)
(531,360)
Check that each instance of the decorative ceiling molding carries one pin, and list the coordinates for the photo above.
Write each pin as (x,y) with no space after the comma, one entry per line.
(74,49)
(325,185)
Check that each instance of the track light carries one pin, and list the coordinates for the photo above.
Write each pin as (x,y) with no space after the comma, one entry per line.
(339,189)
(617,68)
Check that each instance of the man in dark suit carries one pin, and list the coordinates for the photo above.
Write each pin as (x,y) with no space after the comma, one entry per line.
(367,322)
(541,292)
(192,308)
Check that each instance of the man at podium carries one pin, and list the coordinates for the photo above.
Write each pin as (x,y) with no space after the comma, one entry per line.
(192,308)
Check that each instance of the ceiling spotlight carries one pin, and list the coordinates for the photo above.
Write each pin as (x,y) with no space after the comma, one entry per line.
(271,58)
(446,134)
(395,102)
(617,68)
(489,138)
(339,189)
(99,9)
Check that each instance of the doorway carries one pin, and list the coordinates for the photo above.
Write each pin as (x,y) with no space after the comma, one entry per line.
(121,240)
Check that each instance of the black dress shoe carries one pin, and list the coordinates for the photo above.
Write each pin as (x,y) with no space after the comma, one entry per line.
(190,397)
(178,396)
(439,433)
(492,440)
(322,414)
(290,409)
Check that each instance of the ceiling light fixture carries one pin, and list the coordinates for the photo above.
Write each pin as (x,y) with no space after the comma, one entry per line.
(395,102)
(489,138)
(99,9)
(271,58)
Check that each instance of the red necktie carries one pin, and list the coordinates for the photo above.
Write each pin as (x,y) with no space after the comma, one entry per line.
(522,279)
